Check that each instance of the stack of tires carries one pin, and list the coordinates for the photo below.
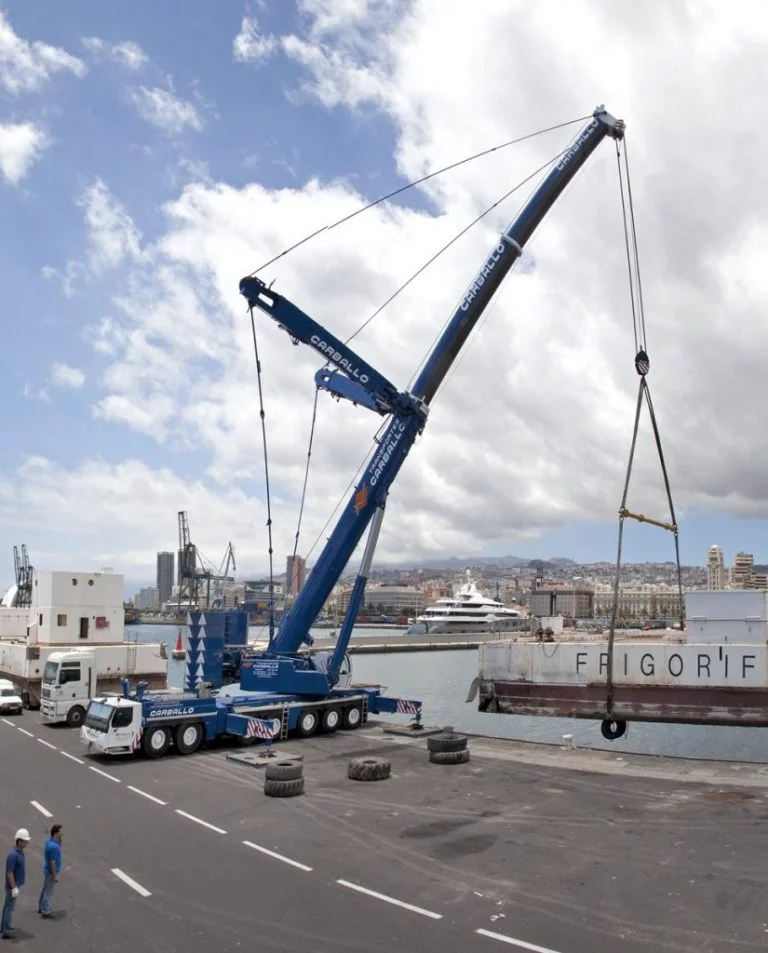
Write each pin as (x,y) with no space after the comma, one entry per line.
(448,747)
(284,778)
(369,769)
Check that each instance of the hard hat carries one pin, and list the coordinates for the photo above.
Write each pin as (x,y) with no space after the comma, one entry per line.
(22,834)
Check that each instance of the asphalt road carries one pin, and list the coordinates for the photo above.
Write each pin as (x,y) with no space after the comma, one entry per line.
(187,854)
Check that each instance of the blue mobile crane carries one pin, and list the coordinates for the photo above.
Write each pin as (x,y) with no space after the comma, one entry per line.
(283,688)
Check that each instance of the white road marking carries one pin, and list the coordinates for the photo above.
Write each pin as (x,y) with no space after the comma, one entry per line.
(150,797)
(25,732)
(105,775)
(7,722)
(39,807)
(47,744)
(386,899)
(520,944)
(197,820)
(271,853)
(71,757)
(142,891)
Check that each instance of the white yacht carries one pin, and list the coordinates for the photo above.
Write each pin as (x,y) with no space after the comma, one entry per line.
(468,610)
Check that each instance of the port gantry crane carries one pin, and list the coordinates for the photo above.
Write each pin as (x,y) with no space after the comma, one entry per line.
(281,667)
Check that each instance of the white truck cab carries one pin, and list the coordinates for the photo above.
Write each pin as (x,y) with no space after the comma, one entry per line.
(69,680)
(10,699)
(113,725)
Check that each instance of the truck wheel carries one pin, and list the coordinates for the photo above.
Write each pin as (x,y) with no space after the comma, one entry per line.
(331,720)
(284,771)
(284,788)
(76,716)
(447,741)
(156,741)
(188,738)
(611,730)
(307,723)
(368,769)
(449,757)
(352,718)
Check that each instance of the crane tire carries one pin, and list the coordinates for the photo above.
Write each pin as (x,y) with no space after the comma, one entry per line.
(284,771)
(612,729)
(369,769)
(188,737)
(156,741)
(273,788)
(308,722)
(352,718)
(447,741)
(449,757)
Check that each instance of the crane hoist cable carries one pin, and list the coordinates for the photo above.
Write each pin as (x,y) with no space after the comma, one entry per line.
(266,482)
(642,366)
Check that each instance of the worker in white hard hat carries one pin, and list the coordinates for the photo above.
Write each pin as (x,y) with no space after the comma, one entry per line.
(15,874)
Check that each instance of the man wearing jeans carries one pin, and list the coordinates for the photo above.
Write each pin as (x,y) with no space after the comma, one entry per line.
(51,870)
(14,881)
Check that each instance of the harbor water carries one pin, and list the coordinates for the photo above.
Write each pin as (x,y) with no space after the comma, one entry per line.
(441,681)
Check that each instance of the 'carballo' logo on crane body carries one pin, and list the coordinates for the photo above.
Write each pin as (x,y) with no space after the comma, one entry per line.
(385,452)
(493,259)
(338,358)
(585,135)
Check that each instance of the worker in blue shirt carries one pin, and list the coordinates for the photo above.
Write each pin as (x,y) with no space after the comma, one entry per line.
(51,870)
(14,881)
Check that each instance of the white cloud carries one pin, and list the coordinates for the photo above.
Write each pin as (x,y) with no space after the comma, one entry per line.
(165,110)
(64,375)
(250,46)
(21,144)
(26,66)
(73,272)
(531,430)
(128,54)
(111,231)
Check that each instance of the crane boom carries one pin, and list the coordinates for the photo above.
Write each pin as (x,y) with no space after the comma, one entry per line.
(408,410)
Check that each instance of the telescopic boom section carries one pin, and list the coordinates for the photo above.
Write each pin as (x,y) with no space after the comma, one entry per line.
(409,411)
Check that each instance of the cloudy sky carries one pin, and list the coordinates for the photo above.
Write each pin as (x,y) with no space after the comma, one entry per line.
(152,154)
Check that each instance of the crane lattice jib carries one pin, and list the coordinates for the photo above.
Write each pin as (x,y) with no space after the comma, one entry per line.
(408,410)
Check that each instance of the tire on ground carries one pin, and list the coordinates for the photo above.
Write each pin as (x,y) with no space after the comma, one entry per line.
(369,769)
(447,741)
(284,771)
(449,757)
(612,729)
(283,788)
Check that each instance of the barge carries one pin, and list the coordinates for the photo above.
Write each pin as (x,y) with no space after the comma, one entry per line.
(713,672)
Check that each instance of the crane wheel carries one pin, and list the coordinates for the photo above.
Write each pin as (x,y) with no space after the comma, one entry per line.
(330,721)
(284,788)
(369,769)
(284,771)
(447,741)
(156,741)
(611,729)
(307,723)
(449,757)
(352,718)
(188,738)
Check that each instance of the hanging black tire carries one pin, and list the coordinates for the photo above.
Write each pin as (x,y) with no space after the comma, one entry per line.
(307,723)
(369,769)
(611,730)
(447,741)
(352,718)
(156,741)
(284,788)
(188,738)
(75,716)
(330,720)
(284,771)
(449,757)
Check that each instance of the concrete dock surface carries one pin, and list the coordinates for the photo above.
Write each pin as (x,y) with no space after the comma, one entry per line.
(525,847)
